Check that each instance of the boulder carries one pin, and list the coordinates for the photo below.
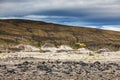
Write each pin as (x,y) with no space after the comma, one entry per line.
(23,47)
(103,50)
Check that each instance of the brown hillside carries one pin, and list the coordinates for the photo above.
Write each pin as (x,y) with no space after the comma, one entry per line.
(15,31)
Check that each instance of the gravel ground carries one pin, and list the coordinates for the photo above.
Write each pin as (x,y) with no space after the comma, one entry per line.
(60,70)
(60,66)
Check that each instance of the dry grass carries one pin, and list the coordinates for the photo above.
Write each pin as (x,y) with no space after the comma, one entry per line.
(24,31)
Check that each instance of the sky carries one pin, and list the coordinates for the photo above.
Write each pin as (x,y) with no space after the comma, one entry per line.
(103,14)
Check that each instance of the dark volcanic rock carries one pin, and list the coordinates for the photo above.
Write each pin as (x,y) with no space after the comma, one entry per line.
(11,71)
(83,63)
(44,67)
(97,63)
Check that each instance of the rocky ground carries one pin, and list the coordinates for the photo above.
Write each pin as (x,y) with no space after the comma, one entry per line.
(60,70)
(59,66)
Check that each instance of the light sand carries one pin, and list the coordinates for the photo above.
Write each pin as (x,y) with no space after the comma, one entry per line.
(107,56)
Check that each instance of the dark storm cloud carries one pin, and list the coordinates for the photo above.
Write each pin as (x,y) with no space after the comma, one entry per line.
(84,15)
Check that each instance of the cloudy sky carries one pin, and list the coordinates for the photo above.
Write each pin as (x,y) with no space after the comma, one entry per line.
(104,14)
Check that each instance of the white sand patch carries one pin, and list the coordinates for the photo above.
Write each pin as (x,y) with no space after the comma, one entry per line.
(65,47)
(111,56)
(85,51)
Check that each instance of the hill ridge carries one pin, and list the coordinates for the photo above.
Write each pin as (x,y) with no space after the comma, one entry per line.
(17,31)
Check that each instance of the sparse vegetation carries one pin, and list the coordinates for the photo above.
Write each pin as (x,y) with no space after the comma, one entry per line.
(26,31)
(75,45)
(1,41)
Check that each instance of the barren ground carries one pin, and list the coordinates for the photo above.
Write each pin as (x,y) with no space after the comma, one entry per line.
(59,66)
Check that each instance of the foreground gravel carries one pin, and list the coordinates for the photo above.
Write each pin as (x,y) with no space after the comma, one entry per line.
(60,70)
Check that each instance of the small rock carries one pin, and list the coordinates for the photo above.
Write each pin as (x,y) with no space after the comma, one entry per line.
(82,63)
(11,71)
(97,63)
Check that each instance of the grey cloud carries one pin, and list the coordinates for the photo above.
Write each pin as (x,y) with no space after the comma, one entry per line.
(90,11)
(41,5)
(6,1)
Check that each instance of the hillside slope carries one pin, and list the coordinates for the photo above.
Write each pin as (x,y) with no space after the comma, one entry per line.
(15,31)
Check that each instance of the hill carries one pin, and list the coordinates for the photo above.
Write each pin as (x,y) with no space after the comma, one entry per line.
(17,31)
